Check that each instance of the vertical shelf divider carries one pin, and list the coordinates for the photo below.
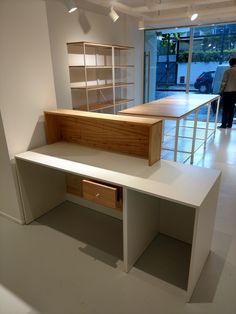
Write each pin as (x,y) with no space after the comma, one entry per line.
(113,79)
(86,76)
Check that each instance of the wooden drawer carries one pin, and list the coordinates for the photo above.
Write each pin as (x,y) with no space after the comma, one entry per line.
(100,193)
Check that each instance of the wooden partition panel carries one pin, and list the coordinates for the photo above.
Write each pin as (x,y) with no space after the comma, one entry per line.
(123,134)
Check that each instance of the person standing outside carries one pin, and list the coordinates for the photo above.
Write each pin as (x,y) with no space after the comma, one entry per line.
(228,93)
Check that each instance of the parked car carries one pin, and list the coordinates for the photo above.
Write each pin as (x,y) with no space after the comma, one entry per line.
(204,82)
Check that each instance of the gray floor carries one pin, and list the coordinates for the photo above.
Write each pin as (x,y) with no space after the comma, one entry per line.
(68,261)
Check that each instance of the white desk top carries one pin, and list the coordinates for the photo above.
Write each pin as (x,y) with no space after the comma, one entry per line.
(169,180)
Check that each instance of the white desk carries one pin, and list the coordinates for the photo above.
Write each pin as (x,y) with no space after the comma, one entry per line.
(169,198)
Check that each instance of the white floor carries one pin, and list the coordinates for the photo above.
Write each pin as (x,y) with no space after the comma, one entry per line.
(59,265)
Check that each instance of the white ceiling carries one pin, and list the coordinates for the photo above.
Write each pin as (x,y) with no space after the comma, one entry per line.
(166,13)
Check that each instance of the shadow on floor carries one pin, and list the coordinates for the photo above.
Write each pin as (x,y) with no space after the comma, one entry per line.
(207,285)
(102,239)
(167,259)
(101,234)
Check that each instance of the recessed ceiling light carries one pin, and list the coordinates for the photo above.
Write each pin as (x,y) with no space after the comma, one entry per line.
(113,15)
(194,16)
(71,6)
(141,26)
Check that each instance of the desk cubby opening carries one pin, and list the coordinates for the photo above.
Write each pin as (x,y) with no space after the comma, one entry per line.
(159,237)
(45,200)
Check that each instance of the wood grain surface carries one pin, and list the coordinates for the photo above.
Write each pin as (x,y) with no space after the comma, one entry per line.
(128,135)
(99,193)
(172,107)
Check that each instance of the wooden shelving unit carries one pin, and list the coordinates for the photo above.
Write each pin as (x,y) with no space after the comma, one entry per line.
(101,76)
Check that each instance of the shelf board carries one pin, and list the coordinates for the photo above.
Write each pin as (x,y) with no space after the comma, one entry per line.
(123,101)
(124,66)
(102,86)
(89,44)
(120,84)
(97,106)
(120,47)
(104,105)
(92,87)
(101,66)
(92,66)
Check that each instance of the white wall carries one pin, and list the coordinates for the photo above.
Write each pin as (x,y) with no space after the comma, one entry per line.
(135,38)
(26,81)
(9,201)
(84,25)
(26,76)
(26,88)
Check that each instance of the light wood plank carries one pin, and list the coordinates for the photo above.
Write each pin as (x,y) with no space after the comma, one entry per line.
(174,107)
(91,66)
(52,128)
(121,47)
(77,113)
(100,193)
(74,184)
(104,105)
(132,136)
(155,149)
(87,43)
(99,86)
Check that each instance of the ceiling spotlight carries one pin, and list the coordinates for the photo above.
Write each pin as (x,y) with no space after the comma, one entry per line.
(71,6)
(141,26)
(192,12)
(113,15)
(194,16)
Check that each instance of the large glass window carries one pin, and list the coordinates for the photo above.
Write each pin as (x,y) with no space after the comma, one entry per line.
(162,52)
(167,60)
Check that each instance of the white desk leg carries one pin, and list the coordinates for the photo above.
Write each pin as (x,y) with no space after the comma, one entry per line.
(202,237)
(207,124)
(194,137)
(176,140)
(140,224)
(217,113)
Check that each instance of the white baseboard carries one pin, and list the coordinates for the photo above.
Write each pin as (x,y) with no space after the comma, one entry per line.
(19,221)
(101,209)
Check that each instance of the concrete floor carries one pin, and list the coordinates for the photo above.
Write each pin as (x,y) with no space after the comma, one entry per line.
(59,264)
